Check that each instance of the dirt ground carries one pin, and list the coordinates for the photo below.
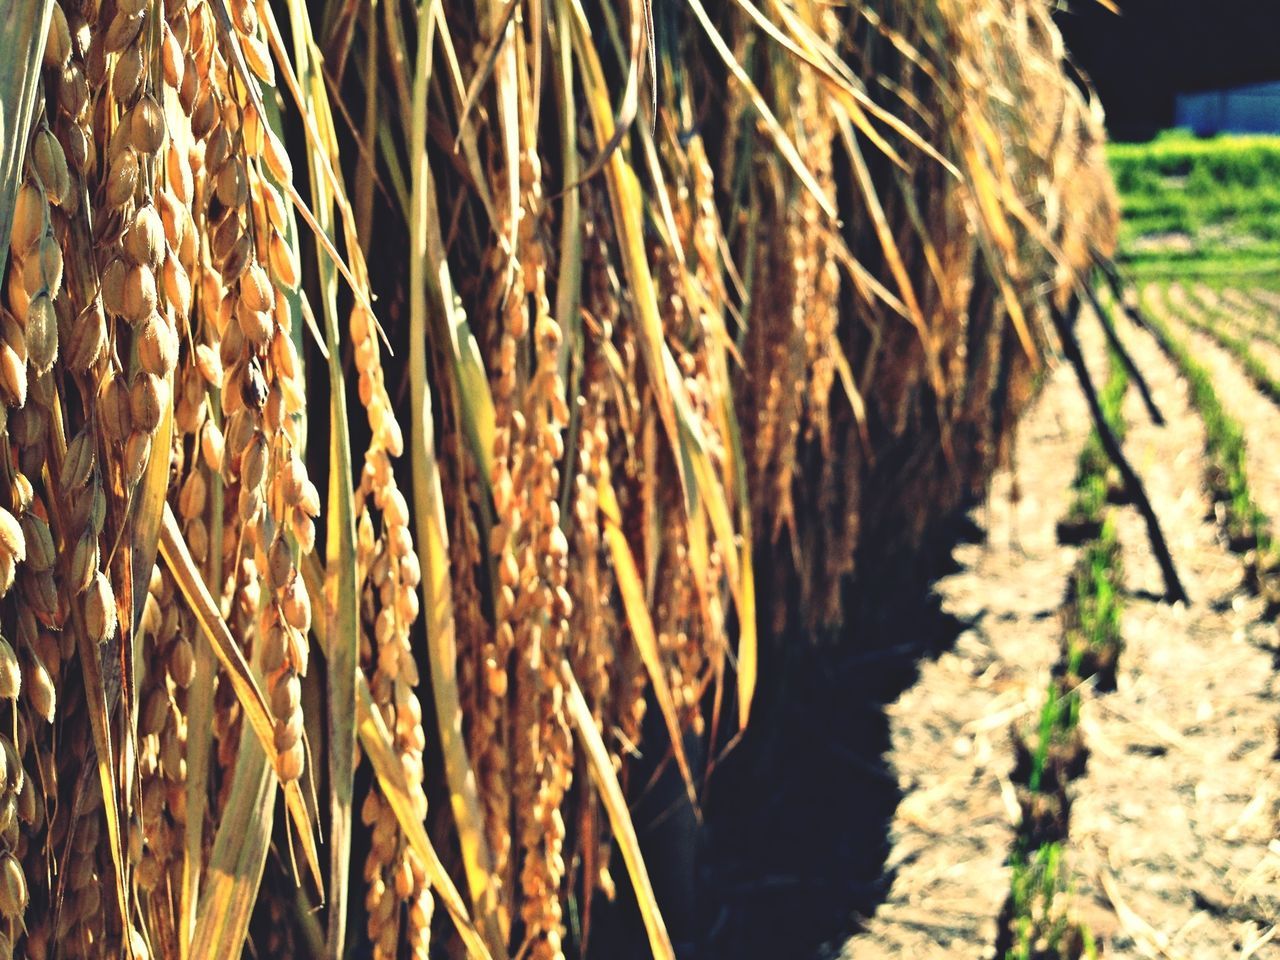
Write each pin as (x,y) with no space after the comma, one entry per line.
(1172,844)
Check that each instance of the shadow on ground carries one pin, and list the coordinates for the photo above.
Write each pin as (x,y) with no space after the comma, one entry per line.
(795,834)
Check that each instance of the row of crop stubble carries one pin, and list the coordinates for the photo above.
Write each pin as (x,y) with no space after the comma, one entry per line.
(1050,751)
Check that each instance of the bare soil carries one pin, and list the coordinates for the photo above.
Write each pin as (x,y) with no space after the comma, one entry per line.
(1172,821)
(1169,241)
(1231,308)
(953,830)
(1171,844)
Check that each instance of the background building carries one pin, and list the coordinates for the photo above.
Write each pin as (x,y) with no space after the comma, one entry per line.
(1251,109)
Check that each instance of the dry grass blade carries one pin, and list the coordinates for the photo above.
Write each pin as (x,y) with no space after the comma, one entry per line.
(748,636)
(707,491)
(147,513)
(375,739)
(626,202)
(341,564)
(340,591)
(626,114)
(783,142)
(321,148)
(823,58)
(248,693)
(893,256)
(987,190)
(615,805)
(442,654)
(737,560)
(854,396)
(840,87)
(631,586)
(437,588)
(200,712)
(685,437)
(507,92)
(469,378)
(569,281)
(106,759)
(500,37)
(199,741)
(239,855)
(468,136)
(101,703)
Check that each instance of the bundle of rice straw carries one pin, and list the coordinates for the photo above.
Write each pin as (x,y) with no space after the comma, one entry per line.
(635,313)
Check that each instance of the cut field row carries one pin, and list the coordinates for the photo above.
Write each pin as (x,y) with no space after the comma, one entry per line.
(1135,822)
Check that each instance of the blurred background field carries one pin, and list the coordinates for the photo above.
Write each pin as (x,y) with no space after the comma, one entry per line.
(1207,207)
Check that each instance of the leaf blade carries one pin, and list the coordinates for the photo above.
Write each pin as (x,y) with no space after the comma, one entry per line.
(634,605)
(249,694)
(601,768)
(433,541)
(375,739)
(239,856)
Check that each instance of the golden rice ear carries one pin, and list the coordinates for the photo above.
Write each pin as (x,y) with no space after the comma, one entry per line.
(560,407)
(49,164)
(100,609)
(123,178)
(12,541)
(29,213)
(144,239)
(57,49)
(41,334)
(147,130)
(10,672)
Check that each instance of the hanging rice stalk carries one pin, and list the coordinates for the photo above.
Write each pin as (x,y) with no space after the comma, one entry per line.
(691,305)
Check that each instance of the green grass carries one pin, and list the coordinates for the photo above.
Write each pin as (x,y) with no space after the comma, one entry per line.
(1256,313)
(1094,471)
(1213,265)
(1249,212)
(1198,206)
(1224,441)
(1097,589)
(1058,720)
(1251,316)
(1040,926)
(1248,161)
(1238,346)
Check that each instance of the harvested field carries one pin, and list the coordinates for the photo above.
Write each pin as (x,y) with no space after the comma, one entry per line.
(1169,847)
(518,480)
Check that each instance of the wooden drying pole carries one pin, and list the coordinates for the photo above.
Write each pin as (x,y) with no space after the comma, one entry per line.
(1064,324)
(1126,358)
